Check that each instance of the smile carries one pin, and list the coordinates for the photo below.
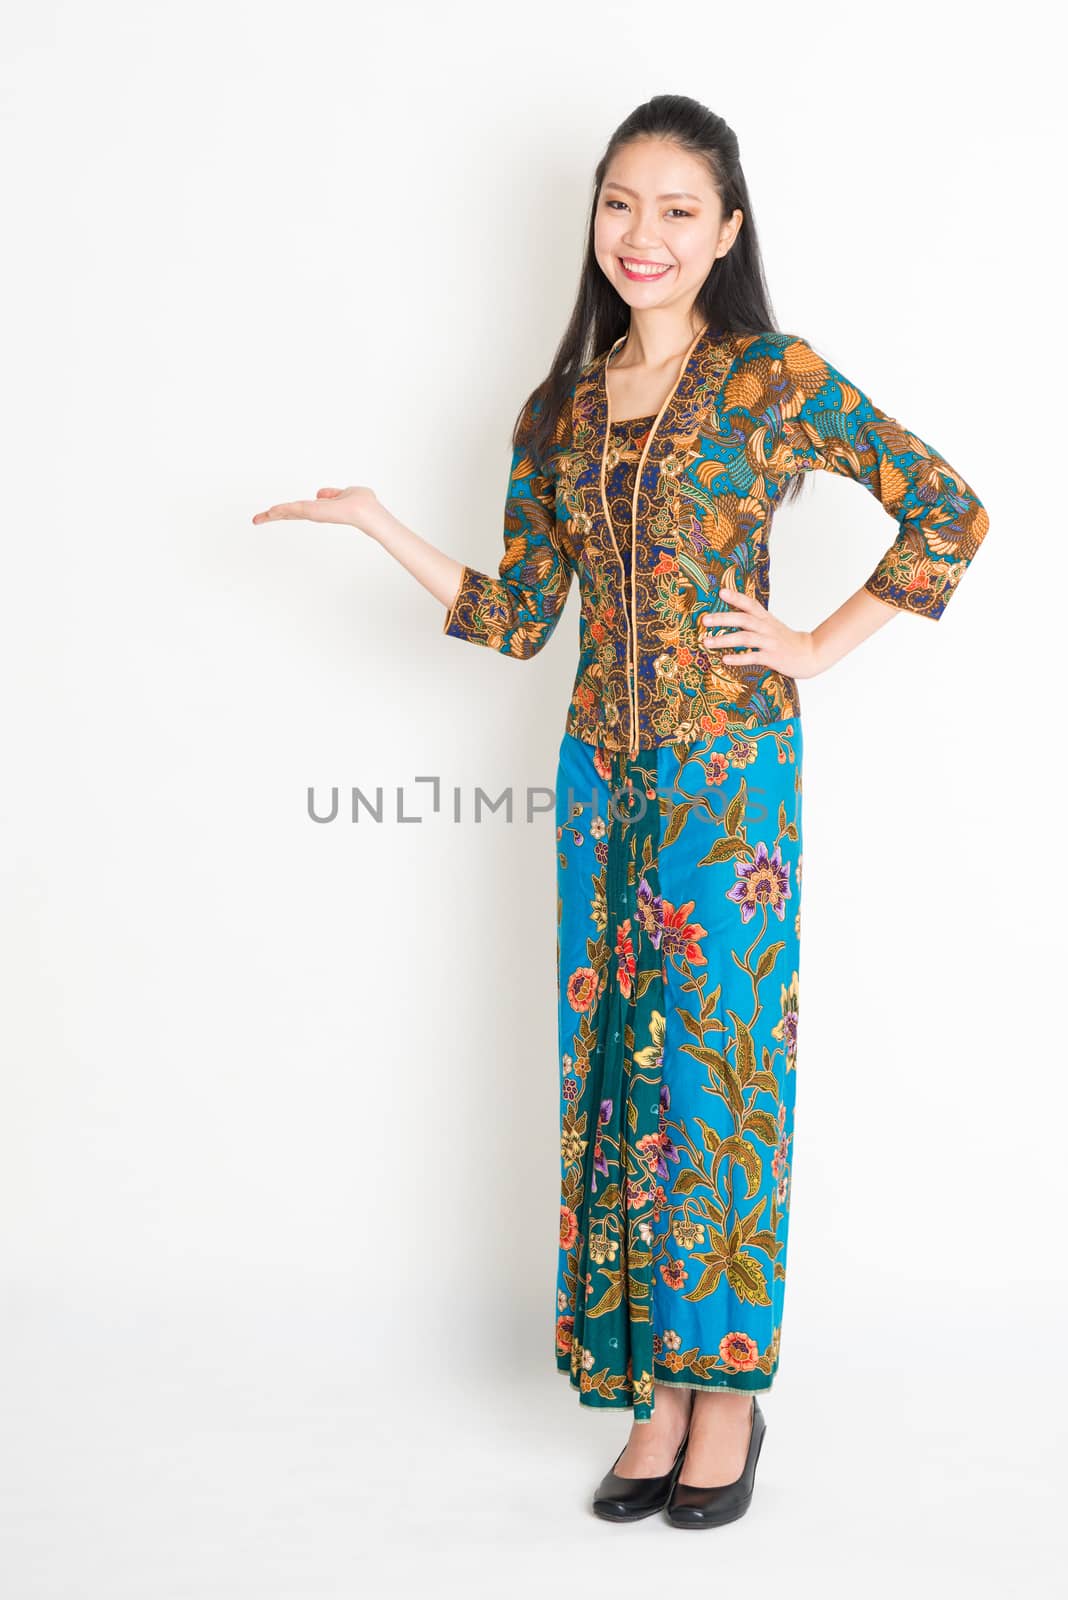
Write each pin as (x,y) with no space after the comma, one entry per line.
(643,269)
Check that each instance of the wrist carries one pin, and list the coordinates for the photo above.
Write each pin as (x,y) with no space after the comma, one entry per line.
(818,654)
(376,523)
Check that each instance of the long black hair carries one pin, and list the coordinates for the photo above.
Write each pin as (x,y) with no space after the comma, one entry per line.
(733,298)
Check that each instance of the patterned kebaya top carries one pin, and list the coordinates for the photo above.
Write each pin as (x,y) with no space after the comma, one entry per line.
(624,452)
(746,413)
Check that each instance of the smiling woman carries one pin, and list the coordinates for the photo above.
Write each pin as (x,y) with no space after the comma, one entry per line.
(651,469)
(648,465)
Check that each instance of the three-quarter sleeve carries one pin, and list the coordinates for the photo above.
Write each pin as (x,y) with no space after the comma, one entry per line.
(829,423)
(517,611)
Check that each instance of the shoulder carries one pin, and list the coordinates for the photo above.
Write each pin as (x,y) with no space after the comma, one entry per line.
(533,408)
(766,357)
(537,440)
(792,349)
(770,371)
(801,370)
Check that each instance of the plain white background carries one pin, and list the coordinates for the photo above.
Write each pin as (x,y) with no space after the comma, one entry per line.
(278,1137)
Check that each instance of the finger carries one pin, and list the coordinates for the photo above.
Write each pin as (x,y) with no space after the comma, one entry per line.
(331,493)
(726,634)
(731,619)
(291,510)
(736,597)
(741,636)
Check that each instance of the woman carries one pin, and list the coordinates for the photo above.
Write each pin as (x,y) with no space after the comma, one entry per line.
(649,463)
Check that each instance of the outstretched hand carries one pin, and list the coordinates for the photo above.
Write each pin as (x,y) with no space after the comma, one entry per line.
(759,639)
(357,505)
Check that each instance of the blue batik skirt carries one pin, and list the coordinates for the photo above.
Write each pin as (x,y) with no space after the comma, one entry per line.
(678,913)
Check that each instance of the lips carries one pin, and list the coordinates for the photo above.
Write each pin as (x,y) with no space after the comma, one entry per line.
(648,275)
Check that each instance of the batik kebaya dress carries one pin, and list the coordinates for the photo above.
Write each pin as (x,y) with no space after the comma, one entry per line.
(679,835)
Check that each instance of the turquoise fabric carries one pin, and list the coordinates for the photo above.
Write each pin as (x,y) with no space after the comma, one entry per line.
(678,872)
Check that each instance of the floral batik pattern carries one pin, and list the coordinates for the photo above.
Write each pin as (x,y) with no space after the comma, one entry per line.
(679,877)
(749,412)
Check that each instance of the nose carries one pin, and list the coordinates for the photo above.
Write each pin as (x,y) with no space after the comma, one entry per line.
(641,236)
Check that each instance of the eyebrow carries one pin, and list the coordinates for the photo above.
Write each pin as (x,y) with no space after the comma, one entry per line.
(676,194)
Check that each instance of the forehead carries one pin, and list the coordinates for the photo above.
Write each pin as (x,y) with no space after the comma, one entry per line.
(659,170)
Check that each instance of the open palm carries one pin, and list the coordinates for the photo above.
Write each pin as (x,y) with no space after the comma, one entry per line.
(351,505)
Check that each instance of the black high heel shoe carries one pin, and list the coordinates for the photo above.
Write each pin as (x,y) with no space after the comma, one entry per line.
(626,1499)
(690,1506)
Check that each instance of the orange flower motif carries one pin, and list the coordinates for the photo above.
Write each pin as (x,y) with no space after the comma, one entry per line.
(564,1329)
(627,961)
(714,722)
(568,1227)
(739,1351)
(681,935)
(582,988)
(673,1273)
(648,1147)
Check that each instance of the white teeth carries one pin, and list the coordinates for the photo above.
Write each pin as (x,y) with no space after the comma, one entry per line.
(649,271)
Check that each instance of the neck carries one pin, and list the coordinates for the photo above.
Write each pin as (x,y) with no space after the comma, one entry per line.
(657,339)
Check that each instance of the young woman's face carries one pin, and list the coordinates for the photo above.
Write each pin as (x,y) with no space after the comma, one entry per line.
(658,210)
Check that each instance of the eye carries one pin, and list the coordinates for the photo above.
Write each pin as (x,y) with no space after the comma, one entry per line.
(677,209)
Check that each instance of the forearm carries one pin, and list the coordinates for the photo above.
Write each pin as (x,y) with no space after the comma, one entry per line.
(437,572)
(857,618)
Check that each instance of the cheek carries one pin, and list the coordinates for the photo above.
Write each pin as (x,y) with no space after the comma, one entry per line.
(605,236)
(695,257)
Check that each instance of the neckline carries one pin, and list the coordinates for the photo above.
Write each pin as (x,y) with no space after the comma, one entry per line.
(699,379)
(707,335)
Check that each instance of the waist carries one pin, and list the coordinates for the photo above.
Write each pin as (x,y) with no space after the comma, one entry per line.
(676,701)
